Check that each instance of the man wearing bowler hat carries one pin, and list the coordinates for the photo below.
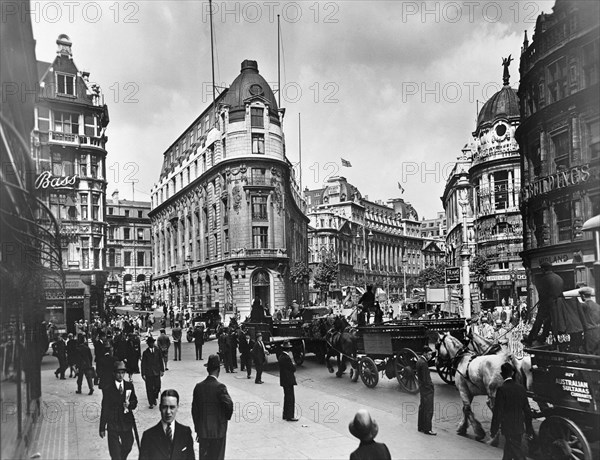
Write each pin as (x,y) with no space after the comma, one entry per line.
(365,428)
(118,402)
(287,380)
(212,408)
(153,368)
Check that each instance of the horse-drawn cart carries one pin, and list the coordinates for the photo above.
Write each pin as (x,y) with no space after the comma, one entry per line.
(390,348)
(566,386)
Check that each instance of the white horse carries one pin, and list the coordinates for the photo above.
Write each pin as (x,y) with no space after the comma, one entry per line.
(475,375)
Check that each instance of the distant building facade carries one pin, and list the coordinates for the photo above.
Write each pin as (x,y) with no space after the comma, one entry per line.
(374,243)
(128,249)
(434,228)
(69,140)
(228,220)
(559,138)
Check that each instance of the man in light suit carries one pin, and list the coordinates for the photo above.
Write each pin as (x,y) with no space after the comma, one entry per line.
(118,402)
(212,407)
(512,414)
(168,439)
(287,380)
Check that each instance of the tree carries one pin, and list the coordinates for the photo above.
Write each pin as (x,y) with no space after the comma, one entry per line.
(433,275)
(480,269)
(326,273)
(299,273)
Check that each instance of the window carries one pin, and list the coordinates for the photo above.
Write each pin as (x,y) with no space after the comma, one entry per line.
(225,241)
(127,257)
(225,211)
(127,233)
(557,80)
(57,166)
(563,220)
(257,118)
(140,234)
(127,213)
(258,143)
(206,253)
(83,165)
(95,206)
(214,216)
(590,64)
(65,122)
(111,233)
(259,208)
(89,128)
(560,143)
(94,167)
(258,176)
(83,204)
(224,143)
(205,219)
(594,139)
(110,211)
(259,237)
(65,84)
(111,257)
(140,259)
(43,114)
(501,189)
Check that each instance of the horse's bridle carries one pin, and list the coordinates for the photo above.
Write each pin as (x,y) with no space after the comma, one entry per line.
(459,354)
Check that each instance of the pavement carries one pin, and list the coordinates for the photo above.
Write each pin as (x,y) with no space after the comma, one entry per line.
(68,427)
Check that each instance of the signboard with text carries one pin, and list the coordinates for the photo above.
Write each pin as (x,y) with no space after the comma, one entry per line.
(453,275)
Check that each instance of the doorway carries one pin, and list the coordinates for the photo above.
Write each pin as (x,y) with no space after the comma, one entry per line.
(261,287)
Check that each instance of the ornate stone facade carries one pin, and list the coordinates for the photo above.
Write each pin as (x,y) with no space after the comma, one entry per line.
(227,216)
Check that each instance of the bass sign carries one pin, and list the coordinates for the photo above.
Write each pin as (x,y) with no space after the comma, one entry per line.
(46,180)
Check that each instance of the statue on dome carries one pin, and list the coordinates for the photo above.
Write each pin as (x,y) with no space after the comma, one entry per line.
(505,63)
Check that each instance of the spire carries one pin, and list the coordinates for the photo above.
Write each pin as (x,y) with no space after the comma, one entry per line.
(525,41)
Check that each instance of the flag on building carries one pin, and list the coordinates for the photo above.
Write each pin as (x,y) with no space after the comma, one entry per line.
(400,187)
(346,163)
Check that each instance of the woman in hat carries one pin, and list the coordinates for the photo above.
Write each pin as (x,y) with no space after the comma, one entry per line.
(365,428)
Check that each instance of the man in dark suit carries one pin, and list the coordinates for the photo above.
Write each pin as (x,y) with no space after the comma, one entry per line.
(153,368)
(426,392)
(118,402)
(83,357)
(259,354)
(198,340)
(512,414)
(212,407)
(105,367)
(168,439)
(287,380)
(367,301)
(550,287)
(60,351)
(246,344)
(365,428)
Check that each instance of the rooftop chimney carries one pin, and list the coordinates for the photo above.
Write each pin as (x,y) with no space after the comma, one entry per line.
(64,46)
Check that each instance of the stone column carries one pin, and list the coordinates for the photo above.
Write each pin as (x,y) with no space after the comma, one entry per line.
(509,189)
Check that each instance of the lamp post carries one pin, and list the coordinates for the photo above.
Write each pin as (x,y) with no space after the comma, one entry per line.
(465,254)
(188,262)
(366,258)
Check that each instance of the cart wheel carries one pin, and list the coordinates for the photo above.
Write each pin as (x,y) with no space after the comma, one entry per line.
(445,370)
(354,373)
(560,438)
(298,352)
(369,373)
(406,364)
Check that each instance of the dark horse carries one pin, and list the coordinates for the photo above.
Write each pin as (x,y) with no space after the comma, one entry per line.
(341,343)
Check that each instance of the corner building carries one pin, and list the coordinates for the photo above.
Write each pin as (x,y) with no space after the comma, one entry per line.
(228,221)
(559,138)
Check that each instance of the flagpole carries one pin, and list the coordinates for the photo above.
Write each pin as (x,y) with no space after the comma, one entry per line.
(300,151)
(212,63)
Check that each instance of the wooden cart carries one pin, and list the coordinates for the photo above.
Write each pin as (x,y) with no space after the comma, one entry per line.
(566,386)
(390,348)
(274,334)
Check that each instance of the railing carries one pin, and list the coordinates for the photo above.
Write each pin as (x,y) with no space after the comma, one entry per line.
(258,252)
(75,139)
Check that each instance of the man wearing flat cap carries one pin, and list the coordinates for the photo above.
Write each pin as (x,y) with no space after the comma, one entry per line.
(589,312)
(550,287)
(212,408)
(153,368)
(287,380)
(426,392)
(118,402)
(365,428)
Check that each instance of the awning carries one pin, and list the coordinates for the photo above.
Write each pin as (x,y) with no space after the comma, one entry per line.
(592,224)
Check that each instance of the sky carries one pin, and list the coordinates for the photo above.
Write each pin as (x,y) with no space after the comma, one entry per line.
(392,87)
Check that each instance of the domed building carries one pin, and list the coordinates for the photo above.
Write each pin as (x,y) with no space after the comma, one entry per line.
(228,220)
(495,175)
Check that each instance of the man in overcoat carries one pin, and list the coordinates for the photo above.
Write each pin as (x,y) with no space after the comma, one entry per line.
(199,340)
(168,439)
(287,380)
(153,368)
(83,360)
(512,414)
(426,393)
(212,408)
(550,287)
(116,416)
(259,355)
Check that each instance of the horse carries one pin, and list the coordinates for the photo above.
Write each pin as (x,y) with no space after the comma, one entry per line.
(475,375)
(341,343)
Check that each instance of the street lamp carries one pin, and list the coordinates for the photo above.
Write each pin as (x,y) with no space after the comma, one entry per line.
(188,262)
(404,264)
(366,258)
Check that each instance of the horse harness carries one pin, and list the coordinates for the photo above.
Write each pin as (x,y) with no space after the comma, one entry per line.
(458,357)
